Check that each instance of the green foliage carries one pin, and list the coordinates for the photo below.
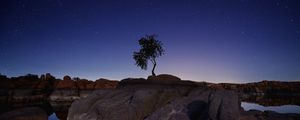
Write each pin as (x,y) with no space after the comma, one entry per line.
(151,48)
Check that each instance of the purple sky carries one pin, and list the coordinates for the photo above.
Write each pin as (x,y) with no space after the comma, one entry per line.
(210,40)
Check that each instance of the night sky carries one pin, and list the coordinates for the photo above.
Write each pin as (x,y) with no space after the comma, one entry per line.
(205,40)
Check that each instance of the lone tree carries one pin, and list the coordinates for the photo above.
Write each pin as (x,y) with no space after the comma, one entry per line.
(151,48)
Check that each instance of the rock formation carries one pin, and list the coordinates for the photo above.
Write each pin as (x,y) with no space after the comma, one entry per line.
(156,98)
(31,90)
(105,84)
(273,93)
(66,83)
(68,90)
(136,102)
(263,87)
(140,99)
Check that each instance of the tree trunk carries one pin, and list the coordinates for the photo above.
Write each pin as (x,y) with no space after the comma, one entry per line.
(154,65)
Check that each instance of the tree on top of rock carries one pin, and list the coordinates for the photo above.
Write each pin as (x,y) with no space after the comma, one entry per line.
(151,48)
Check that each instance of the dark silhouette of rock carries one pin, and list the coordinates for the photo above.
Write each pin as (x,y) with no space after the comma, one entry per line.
(67,78)
(30,113)
(45,85)
(70,90)
(66,83)
(265,92)
(133,83)
(49,76)
(4,82)
(4,85)
(164,77)
(28,81)
(4,93)
(28,90)
(263,87)
(82,84)
(105,84)
(31,90)
(85,84)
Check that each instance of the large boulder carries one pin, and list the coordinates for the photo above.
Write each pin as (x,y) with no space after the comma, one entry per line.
(120,104)
(157,103)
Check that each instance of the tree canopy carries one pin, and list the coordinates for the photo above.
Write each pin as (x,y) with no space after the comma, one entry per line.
(151,48)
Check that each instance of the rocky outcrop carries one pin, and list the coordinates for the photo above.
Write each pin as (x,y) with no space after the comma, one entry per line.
(105,84)
(119,104)
(31,90)
(274,93)
(30,113)
(28,81)
(66,83)
(156,101)
(141,99)
(70,90)
(159,97)
(47,83)
(83,84)
(263,87)
(24,91)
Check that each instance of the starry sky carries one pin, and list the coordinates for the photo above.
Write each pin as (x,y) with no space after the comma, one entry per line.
(205,40)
